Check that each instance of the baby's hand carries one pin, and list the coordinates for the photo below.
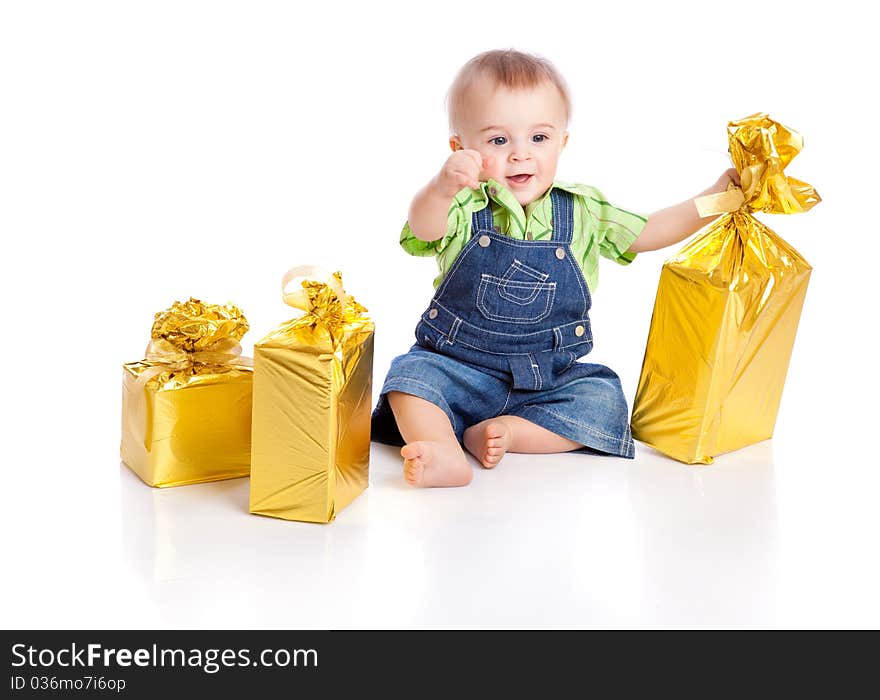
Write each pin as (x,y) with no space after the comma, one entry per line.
(728,176)
(462,169)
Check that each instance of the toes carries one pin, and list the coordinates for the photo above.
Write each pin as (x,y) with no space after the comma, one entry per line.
(413,469)
(413,473)
(495,431)
(496,436)
(496,445)
(412,465)
(493,455)
(491,458)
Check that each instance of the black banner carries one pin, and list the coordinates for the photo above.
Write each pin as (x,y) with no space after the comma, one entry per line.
(143,663)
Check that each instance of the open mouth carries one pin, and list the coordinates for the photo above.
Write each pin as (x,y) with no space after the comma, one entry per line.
(520,179)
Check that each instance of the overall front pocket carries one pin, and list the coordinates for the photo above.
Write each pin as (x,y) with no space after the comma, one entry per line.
(517,301)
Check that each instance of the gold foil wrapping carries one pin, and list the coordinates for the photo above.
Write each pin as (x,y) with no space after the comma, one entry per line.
(186,408)
(726,311)
(312,399)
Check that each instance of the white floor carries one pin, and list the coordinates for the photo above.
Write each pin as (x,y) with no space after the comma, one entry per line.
(769,536)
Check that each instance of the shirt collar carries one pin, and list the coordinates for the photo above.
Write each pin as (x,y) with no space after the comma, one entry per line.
(494,190)
(537,210)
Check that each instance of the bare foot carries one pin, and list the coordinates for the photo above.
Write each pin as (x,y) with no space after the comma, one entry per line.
(435,464)
(488,441)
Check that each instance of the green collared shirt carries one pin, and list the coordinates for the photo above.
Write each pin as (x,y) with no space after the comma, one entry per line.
(600,227)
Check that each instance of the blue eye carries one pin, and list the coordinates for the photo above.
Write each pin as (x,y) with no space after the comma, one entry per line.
(539,138)
(498,141)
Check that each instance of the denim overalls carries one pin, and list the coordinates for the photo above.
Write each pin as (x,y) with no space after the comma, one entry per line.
(502,336)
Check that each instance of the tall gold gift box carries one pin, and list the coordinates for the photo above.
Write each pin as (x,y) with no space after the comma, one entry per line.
(312,399)
(186,408)
(726,311)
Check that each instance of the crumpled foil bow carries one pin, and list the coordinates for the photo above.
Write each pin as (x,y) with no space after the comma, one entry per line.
(761,149)
(322,301)
(192,337)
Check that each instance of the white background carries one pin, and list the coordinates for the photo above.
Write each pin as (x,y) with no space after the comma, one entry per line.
(152,151)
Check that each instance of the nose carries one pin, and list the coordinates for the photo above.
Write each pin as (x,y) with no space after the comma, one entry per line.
(519,154)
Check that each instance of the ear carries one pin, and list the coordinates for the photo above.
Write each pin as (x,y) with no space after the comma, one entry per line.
(455,143)
(564,140)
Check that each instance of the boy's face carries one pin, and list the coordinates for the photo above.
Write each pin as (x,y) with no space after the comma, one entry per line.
(519,133)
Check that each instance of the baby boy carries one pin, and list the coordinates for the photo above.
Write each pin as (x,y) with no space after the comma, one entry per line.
(494,367)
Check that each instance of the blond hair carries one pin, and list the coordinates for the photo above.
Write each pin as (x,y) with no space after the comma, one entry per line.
(508,68)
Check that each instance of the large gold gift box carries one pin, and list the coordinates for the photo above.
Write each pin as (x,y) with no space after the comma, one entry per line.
(312,398)
(186,408)
(726,311)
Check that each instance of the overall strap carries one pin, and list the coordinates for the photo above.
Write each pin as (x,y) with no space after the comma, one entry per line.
(482,220)
(563,215)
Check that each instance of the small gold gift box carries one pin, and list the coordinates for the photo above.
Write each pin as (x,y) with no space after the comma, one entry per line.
(727,309)
(312,398)
(186,407)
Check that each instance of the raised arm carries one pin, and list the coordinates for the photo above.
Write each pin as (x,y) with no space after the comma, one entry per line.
(430,207)
(673,224)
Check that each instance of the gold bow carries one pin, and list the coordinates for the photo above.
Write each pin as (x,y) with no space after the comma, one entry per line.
(761,149)
(322,300)
(194,337)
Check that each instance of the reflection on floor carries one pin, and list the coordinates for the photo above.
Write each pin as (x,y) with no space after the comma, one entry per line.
(554,541)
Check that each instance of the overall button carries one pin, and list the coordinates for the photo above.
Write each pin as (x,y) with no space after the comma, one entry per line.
(484,241)
(493,191)
(560,253)
(579,331)
(433,314)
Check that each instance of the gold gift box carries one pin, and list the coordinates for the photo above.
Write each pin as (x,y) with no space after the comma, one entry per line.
(312,398)
(727,310)
(186,408)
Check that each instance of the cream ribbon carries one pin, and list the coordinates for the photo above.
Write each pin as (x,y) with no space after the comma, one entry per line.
(720,202)
(167,357)
(299,298)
